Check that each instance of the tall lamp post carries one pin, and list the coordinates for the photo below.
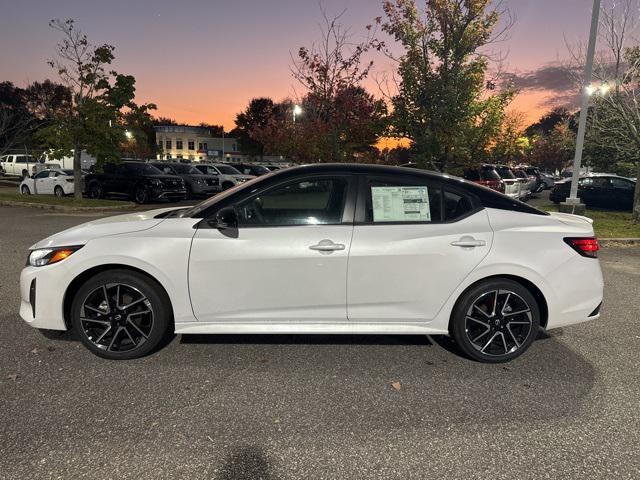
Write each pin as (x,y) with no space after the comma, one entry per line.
(572,204)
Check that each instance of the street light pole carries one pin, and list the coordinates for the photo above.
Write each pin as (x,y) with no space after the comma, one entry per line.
(584,106)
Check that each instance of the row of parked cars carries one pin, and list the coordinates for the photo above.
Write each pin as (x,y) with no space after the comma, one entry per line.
(519,182)
(146,181)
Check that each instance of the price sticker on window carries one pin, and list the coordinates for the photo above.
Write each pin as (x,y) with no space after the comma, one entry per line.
(400,204)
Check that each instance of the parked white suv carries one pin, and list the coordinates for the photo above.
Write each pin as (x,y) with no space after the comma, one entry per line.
(19,165)
(229,176)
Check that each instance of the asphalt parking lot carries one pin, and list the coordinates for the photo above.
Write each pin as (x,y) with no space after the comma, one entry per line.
(284,407)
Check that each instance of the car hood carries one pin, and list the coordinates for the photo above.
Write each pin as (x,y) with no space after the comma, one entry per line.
(243,177)
(103,227)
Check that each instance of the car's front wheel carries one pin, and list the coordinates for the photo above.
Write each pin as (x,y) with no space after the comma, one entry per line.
(495,321)
(25,190)
(121,314)
(59,192)
(95,190)
(141,195)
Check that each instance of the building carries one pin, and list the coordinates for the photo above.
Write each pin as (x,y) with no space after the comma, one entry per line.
(182,142)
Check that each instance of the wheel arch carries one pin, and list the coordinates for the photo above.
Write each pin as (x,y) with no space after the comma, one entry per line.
(79,280)
(528,284)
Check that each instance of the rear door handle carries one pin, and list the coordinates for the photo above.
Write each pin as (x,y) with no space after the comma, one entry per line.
(327,246)
(469,242)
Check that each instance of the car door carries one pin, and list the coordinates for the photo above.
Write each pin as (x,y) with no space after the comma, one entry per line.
(285,262)
(414,241)
(622,193)
(41,182)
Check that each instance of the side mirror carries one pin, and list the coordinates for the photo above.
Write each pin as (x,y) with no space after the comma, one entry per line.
(226,218)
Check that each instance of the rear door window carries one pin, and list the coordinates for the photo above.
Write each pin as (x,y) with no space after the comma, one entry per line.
(410,200)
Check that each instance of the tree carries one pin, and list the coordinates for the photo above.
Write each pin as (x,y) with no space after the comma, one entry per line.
(256,116)
(99,98)
(444,102)
(341,121)
(548,121)
(554,151)
(510,144)
(16,122)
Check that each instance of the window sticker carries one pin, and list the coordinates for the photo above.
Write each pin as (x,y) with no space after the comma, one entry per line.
(400,204)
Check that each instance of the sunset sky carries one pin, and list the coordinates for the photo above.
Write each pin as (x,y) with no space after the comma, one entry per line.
(202,61)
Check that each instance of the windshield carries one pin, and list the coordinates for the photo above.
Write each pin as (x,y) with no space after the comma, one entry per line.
(187,169)
(488,173)
(142,169)
(505,172)
(196,209)
(228,170)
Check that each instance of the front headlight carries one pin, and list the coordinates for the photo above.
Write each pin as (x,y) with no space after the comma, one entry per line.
(46,256)
(155,182)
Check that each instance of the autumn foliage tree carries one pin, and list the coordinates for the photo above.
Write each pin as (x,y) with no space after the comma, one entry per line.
(444,102)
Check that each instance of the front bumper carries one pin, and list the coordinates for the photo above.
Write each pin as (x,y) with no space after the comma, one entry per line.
(41,296)
(168,194)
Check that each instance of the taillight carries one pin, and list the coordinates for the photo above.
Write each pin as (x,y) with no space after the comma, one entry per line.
(585,246)
(497,185)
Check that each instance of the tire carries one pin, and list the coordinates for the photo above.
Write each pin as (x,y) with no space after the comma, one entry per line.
(140,195)
(227,185)
(59,192)
(495,337)
(25,190)
(95,190)
(134,323)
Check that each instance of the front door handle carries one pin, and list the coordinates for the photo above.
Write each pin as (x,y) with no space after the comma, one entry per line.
(327,246)
(469,242)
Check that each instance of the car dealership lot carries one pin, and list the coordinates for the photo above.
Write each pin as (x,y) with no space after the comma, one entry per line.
(318,407)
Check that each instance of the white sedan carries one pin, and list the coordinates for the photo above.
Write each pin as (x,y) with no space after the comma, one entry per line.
(331,249)
(56,182)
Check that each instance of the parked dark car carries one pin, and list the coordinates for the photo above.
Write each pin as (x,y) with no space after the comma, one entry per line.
(196,182)
(139,181)
(251,169)
(605,191)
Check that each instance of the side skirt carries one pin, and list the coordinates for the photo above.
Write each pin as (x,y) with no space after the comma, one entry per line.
(345,328)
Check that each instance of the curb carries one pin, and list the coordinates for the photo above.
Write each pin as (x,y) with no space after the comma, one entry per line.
(64,208)
(614,242)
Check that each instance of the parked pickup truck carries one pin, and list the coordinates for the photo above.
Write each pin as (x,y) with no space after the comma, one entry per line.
(137,180)
(19,165)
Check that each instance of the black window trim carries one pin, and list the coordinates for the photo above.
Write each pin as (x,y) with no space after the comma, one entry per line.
(348,208)
(361,214)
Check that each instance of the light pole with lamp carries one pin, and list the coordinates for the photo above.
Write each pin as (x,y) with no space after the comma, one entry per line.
(297,110)
(572,204)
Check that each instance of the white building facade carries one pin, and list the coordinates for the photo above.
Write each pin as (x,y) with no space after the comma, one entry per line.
(188,143)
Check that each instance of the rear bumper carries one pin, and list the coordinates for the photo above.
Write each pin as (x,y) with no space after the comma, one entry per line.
(578,293)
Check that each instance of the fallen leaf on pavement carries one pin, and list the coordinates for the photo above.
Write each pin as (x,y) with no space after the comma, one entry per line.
(396,385)
(12,376)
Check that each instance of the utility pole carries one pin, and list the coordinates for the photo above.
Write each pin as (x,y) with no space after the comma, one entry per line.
(572,204)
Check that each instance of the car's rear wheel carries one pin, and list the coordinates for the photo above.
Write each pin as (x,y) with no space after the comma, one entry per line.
(495,321)
(25,190)
(58,191)
(120,314)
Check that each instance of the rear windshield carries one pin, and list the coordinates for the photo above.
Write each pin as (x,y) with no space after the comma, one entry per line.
(505,172)
(227,170)
(186,169)
(489,173)
(142,169)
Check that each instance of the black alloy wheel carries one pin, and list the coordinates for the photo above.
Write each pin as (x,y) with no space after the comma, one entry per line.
(95,191)
(496,321)
(120,314)
(59,192)
(25,190)
(141,195)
